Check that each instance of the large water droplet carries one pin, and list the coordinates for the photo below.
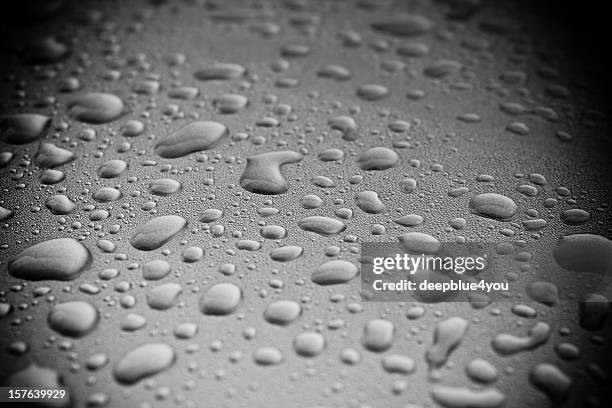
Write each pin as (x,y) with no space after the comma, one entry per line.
(221,299)
(322,225)
(196,136)
(73,319)
(377,158)
(57,259)
(156,232)
(262,173)
(494,206)
(22,128)
(143,361)
(96,108)
(378,335)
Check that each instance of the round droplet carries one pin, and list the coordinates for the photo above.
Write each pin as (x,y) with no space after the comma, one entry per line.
(282,312)
(481,370)
(112,168)
(378,335)
(221,299)
(73,319)
(309,344)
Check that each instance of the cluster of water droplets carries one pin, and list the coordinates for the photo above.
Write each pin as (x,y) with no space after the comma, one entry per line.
(185,218)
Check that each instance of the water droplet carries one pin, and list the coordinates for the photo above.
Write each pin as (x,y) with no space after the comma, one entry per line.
(575,216)
(588,253)
(57,259)
(143,361)
(419,243)
(23,128)
(112,168)
(594,311)
(267,356)
(230,103)
(462,397)
(196,136)
(156,232)
(508,344)
(164,296)
(494,206)
(106,195)
(165,187)
(378,335)
(447,336)
(369,202)
(481,370)
(49,155)
(404,25)
(262,173)
(335,72)
(221,299)
(409,220)
(96,108)
(155,270)
(441,68)
(346,125)
(398,364)
(286,253)
(309,344)
(282,312)
(51,176)
(372,92)
(334,273)
(59,204)
(543,292)
(377,158)
(553,382)
(273,232)
(210,215)
(133,322)
(221,71)
(73,319)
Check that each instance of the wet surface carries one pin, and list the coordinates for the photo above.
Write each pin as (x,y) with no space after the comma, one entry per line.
(186,186)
